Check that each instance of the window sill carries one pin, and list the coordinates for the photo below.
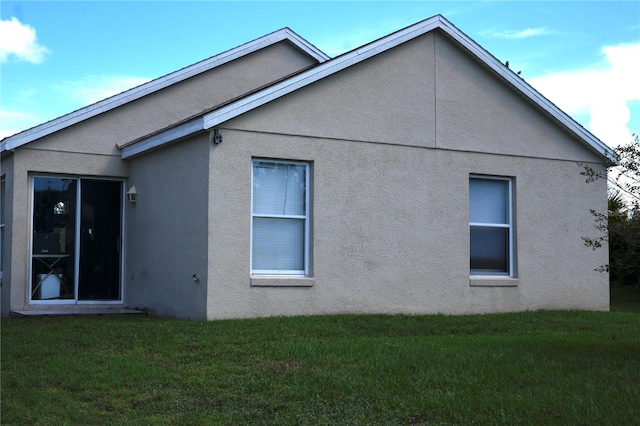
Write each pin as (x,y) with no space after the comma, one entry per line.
(281,281)
(492,281)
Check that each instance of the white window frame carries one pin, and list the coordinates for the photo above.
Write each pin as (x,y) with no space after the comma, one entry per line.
(305,217)
(3,212)
(76,259)
(509,226)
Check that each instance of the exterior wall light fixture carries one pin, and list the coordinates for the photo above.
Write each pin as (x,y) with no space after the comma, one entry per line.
(132,194)
(216,136)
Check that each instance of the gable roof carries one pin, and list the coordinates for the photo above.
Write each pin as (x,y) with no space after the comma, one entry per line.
(37,132)
(325,68)
(211,119)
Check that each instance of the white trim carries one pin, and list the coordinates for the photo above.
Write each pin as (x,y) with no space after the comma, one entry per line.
(19,139)
(306,218)
(510,226)
(493,225)
(281,281)
(288,34)
(162,138)
(493,281)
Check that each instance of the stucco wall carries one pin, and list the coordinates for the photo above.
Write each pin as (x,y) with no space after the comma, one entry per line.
(354,104)
(390,213)
(90,149)
(477,112)
(6,168)
(164,231)
(391,231)
(167,231)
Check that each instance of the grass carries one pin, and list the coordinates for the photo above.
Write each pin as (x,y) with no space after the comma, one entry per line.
(524,368)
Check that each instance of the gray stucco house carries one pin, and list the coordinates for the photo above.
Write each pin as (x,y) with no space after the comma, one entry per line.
(415,174)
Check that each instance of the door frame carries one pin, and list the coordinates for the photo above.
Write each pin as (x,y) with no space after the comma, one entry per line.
(76,259)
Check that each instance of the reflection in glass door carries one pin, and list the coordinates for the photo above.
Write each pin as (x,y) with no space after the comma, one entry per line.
(53,244)
(76,245)
(99,277)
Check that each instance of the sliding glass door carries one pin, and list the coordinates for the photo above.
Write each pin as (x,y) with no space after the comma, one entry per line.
(100,230)
(76,240)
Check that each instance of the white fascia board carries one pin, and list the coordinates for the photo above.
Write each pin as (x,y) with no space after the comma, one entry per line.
(19,139)
(304,45)
(162,138)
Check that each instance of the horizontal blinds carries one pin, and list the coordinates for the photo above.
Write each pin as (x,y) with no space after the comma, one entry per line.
(488,201)
(279,213)
(279,189)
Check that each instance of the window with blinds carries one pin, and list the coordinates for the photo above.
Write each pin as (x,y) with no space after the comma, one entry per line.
(280,218)
(491,225)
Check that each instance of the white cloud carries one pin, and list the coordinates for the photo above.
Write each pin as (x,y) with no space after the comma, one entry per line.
(93,88)
(12,122)
(19,40)
(602,92)
(529,32)
(74,94)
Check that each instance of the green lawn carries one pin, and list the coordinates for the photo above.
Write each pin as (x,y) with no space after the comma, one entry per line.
(525,368)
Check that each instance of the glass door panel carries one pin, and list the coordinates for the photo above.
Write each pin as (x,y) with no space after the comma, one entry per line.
(76,242)
(53,244)
(100,240)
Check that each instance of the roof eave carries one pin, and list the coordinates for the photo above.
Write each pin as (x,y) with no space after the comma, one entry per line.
(37,132)
(326,68)
(243,105)
(170,135)
(316,73)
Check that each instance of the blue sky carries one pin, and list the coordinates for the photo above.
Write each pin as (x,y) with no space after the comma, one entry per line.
(56,57)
